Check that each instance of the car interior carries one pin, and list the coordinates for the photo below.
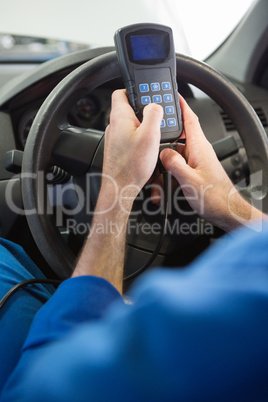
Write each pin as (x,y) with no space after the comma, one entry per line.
(53,114)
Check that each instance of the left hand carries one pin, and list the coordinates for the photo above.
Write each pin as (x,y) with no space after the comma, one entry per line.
(203,180)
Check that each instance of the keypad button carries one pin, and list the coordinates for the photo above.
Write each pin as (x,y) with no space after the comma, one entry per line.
(169,110)
(155,86)
(157,98)
(171,122)
(168,98)
(144,88)
(166,86)
(145,100)
(163,123)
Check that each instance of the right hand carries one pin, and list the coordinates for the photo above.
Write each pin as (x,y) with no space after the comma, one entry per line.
(202,178)
(131,148)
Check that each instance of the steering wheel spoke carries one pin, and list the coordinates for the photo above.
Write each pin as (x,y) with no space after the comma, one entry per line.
(75,148)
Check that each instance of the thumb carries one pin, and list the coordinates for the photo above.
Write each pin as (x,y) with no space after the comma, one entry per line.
(176,165)
(152,116)
(193,131)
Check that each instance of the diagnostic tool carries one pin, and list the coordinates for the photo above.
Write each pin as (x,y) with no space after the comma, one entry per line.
(147,62)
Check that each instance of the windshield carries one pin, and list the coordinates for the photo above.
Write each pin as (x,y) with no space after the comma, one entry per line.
(199,26)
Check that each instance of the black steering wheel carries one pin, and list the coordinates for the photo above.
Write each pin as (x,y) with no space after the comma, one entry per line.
(52,141)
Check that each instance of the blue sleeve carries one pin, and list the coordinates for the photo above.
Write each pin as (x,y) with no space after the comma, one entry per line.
(194,334)
(76,301)
(17,314)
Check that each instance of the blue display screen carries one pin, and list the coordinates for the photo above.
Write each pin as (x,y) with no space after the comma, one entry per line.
(149,47)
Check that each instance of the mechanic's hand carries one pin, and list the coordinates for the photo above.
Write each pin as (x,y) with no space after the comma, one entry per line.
(130,155)
(202,178)
(131,148)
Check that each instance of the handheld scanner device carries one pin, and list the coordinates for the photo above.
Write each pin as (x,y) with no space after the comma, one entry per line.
(147,62)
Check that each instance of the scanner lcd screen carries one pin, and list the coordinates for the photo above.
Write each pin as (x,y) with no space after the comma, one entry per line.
(149,47)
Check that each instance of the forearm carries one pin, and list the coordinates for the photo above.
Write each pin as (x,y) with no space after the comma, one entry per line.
(104,251)
(130,155)
(237,212)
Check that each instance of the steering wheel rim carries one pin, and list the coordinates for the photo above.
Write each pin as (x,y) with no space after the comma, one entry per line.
(50,122)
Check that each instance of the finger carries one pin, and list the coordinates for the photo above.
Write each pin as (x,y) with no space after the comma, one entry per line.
(175,164)
(121,109)
(150,127)
(119,97)
(180,148)
(152,117)
(191,123)
(183,136)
